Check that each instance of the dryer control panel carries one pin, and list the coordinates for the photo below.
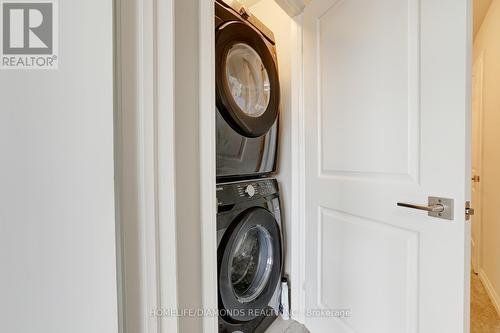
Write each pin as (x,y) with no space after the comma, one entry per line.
(233,193)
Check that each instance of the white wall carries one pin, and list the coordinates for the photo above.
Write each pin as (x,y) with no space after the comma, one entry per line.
(487,41)
(480,9)
(280,23)
(57,223)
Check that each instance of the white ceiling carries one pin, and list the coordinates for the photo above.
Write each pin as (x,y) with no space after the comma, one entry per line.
(294,7)
(480,10)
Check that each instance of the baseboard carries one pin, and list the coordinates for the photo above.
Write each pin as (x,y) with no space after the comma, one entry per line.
(490,290)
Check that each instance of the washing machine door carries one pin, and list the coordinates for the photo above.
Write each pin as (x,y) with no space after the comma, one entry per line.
(250,263)
(247,83)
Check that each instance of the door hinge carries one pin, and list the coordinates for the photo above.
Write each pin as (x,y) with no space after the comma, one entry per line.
(469,211)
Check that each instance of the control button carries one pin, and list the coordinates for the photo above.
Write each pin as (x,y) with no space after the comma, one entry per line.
(250,190)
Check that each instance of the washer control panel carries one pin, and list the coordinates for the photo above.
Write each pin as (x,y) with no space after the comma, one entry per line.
(233,193)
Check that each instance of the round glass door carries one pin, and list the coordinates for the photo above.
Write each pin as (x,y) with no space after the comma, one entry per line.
(248,79)
(251,264)
(247,83)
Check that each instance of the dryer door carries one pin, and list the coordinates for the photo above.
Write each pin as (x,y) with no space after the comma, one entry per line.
(250,263)
(247,84)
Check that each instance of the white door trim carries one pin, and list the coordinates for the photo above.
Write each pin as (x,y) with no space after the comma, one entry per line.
(144,134)
(208,199)
(297,232)
(164,96)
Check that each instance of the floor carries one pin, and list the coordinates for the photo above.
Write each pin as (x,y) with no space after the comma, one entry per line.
(484,318)
(286,326)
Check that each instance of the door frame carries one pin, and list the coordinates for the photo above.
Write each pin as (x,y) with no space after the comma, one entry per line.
(478,241)
(145,164)
(297,248)
(208,198)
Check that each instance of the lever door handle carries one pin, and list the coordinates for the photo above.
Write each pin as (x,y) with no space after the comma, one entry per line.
(436,207)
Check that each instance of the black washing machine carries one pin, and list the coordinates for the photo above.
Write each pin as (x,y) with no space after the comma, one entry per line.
(247,96)
(249,254)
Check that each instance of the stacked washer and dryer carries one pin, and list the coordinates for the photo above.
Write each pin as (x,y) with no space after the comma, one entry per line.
(249,224)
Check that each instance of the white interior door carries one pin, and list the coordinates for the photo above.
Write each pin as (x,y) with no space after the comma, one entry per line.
(477,112)
(386,92)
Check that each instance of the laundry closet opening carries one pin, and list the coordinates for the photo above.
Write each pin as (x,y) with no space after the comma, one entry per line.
(372,99)
(253,69)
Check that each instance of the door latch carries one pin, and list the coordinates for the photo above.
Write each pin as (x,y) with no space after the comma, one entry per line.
(469,211)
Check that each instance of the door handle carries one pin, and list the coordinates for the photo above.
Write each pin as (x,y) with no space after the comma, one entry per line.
(436,207)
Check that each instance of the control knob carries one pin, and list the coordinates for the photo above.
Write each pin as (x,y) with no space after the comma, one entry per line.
(250,190)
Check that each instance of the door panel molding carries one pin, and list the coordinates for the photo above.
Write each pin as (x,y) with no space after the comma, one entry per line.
(390,243)
(353,157)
